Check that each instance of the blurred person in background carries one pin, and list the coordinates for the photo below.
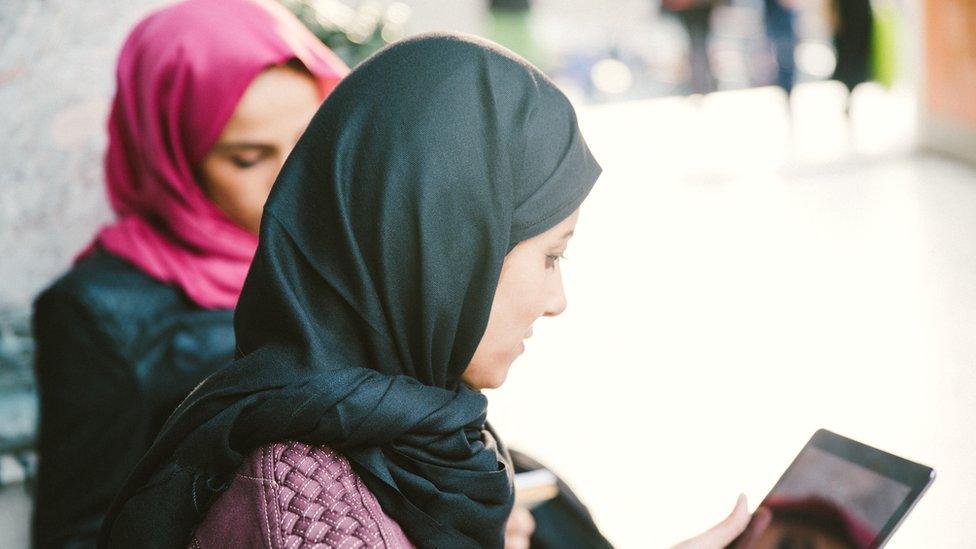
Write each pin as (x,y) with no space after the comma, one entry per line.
(696,18)
(779,20)
(211,97)
(510,24)
(409,245)
(853,23)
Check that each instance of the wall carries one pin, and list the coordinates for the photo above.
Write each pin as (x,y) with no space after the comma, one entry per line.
(56,81)
(949,101)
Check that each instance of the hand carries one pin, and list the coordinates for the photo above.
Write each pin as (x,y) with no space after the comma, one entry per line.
(519,528)
(723,533)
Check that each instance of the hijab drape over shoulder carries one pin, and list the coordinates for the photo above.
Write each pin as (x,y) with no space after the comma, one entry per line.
(181,73)
(380,250)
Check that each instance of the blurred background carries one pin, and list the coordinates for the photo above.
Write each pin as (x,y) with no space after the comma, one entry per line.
(782,239)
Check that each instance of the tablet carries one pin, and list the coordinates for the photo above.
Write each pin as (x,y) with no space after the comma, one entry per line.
(837,494)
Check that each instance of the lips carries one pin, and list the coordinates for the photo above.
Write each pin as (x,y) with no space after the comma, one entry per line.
(521,348)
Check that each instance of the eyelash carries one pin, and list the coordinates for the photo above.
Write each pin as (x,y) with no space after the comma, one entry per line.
(551,260)
(244,164)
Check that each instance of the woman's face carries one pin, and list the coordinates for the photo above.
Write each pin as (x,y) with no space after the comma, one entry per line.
(530,286)
(238,172)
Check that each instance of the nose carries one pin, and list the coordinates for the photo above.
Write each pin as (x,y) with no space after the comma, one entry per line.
(555,296)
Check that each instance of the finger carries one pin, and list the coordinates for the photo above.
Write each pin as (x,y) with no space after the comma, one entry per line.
(726,531)
(528,523)
(520,522)
(760,521)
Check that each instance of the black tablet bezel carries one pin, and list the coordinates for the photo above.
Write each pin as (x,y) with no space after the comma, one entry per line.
(916,476)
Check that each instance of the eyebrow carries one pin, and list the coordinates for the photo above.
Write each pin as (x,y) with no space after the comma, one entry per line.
(242,145)
(567,235)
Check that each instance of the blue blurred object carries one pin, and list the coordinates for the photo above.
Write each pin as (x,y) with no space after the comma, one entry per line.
(782,37)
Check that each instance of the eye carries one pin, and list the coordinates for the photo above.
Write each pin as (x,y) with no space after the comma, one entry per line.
(551,260)
(245,163)
(249,156)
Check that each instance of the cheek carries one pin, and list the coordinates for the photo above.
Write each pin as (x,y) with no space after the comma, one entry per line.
(239,193)
(259,181)
(525,299)
(519,300)
(518,303)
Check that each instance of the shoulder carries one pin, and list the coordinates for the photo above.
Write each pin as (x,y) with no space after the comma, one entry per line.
(107,294)
(107,286)
(303,495)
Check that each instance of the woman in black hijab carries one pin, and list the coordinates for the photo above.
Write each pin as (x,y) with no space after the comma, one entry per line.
(411,240)
(380,251)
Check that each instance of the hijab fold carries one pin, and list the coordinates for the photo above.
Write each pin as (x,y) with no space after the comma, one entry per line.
(380,251)
(180,75)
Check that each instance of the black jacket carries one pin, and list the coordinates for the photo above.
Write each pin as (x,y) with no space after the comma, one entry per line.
(116,351)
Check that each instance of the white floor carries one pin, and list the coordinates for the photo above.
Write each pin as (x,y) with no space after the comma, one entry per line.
(737,283)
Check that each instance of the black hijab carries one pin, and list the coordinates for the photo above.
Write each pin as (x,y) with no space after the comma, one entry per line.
(380,250)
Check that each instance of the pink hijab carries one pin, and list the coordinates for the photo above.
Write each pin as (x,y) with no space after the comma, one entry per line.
(181,73)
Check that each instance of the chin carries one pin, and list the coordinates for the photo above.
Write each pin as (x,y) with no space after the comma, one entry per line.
(496,381)
(497,378)
(493,379)
(489,372)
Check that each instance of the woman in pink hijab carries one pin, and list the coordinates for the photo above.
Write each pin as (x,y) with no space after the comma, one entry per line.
(211,97)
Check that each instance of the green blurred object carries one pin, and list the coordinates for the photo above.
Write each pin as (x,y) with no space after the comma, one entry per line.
(884,51)
(352,33)
(512,28)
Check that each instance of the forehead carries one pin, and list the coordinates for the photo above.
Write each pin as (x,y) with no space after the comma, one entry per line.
(279,100)
(562,230)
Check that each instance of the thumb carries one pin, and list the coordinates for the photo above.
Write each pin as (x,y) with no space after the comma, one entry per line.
(726,531)
(723,533)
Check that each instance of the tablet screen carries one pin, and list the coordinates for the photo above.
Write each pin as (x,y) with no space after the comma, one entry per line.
(828,501)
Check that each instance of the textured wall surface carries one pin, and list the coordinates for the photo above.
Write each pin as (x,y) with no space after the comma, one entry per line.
(57,62)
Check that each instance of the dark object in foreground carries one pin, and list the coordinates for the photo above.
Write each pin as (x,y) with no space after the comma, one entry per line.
(562,522)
